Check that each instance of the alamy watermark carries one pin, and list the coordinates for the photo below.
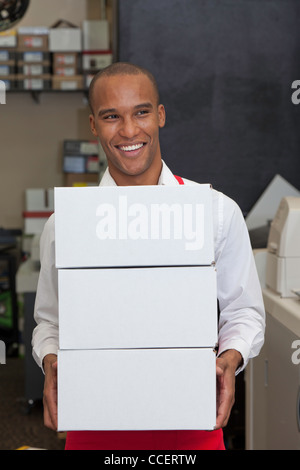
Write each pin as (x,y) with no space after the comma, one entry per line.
(2,352)
(155,221)
(2,92)
(296,354)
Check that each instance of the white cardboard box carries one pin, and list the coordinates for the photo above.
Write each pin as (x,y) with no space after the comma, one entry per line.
(137,389)
(134,226)
(65,39)
(137,307)
(34,222)
(96,60)
(38,199)
(95,35)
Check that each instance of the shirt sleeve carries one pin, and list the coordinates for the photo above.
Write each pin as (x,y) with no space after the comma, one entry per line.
(242,314)
(45,334)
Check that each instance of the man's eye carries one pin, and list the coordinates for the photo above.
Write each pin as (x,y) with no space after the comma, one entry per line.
(111,116)
(142,112)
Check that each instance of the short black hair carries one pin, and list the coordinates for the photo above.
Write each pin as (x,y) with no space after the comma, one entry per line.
(121,68)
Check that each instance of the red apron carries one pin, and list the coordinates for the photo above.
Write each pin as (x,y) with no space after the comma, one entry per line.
(145,440)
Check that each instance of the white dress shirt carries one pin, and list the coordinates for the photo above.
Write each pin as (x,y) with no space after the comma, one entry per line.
(242,315)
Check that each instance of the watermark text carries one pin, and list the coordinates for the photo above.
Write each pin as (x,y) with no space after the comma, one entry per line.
(296,353)
(155,221)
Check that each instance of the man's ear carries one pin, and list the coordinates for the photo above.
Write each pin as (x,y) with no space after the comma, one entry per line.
(161,115)
(92,124)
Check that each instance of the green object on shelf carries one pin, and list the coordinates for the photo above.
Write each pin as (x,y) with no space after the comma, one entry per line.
(6,310)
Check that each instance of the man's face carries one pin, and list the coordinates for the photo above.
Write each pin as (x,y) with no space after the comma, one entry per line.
(127,119)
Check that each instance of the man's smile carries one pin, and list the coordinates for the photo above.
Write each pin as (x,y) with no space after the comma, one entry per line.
(132,149)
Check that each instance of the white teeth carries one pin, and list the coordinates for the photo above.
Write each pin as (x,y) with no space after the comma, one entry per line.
(129,148)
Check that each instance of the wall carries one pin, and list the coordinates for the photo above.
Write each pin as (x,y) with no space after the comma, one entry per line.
(225,71)
(32,134)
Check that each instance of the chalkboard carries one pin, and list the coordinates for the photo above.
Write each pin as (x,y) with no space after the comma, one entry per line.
(225,71)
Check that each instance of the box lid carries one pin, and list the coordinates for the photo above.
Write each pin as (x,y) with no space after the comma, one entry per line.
(134,226)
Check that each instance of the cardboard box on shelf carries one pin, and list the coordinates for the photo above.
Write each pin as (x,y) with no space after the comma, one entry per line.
(81,147)
(8,38)
(26,68)
(6,69)
(74,82)
(7,57)
(125,226)
(142,307)
(65,39)
(96,60)
(33,38)
(39,199)
(39,82)
(34,221)
(137,389)
(92,164)
(81,179)
(65,59)
(74,164)
(65,71)
(95,35)
(33,56)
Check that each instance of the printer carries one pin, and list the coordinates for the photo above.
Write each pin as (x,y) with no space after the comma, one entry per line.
(283,249)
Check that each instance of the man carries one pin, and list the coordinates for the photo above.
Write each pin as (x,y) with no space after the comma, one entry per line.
(126,116)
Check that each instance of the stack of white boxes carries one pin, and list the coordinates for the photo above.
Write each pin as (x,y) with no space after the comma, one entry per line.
(137,308)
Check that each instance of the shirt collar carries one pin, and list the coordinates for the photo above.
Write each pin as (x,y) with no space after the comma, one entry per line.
(166,177)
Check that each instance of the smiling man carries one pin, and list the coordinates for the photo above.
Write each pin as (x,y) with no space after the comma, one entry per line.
(126,116)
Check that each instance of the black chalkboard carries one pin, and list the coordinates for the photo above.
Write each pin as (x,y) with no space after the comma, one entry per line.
(225,71)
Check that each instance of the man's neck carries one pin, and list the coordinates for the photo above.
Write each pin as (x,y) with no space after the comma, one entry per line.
(148,177)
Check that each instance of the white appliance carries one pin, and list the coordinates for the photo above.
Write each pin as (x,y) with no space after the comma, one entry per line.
(283,258)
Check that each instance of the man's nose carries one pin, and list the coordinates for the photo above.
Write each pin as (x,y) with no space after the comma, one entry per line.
(129,128)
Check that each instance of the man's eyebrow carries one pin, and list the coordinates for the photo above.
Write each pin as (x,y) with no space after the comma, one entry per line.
(144,105)
(105,111)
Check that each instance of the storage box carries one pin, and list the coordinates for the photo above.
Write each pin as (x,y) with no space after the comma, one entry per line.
(161,307)
(134,226)
(65,71)
(95,35)
(33,69)
(83,147)
(81,179)
(67,83)
(34,221)
(6,70)
(7,57)
(92,164)
(65,39)
(39,82)
(33,56)
(137,389)
(8,38)
(74,164)
(66,59)
(39,199)
(33,39)
(96,60)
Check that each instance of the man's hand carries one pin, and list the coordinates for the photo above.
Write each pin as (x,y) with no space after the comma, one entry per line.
(227,364)
(50,391)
